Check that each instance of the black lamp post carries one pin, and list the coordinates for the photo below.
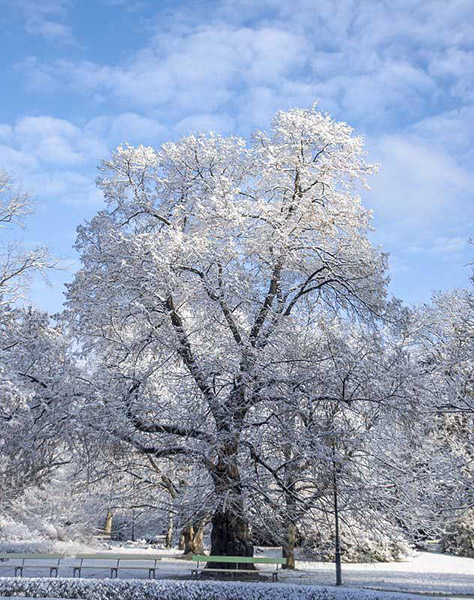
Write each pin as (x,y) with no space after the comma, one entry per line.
(338,542)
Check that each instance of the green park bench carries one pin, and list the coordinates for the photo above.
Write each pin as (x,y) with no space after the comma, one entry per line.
(200,558)
(82,562)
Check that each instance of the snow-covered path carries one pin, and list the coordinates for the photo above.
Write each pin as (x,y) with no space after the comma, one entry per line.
(425,572)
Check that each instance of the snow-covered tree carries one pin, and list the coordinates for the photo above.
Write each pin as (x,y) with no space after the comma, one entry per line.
(211,251)
(17,264)
(35,363)
(350,421)
(445,338)
(39,384)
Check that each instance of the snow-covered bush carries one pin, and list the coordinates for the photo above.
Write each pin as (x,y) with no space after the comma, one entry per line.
(358,544)
(17,537)
(181,590)
(56,512)
(460,539)
(24,535)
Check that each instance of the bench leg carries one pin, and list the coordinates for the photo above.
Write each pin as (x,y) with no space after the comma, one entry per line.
(18,571)
(152,573)
(76,570)
(114,573)
(53,571)
(275,576)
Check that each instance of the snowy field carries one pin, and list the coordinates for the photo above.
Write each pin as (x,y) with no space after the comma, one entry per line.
(425,573)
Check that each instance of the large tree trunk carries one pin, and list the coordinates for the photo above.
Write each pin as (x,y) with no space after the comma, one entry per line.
(230,537)
(230,534)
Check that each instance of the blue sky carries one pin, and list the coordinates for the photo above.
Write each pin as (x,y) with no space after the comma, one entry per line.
(81,76)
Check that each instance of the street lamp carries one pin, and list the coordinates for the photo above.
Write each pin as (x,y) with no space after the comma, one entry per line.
(336,522)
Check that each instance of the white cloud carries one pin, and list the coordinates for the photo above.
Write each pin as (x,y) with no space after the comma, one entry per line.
(70,188)
(16,161)
(222,124)
(127,127)
(128,5)
(195,72)
(417,181)
(367,61)
(57,159)
(422,199)
(401,72)
(455,67)
(449,247)
(56,141)
(49,29)
(45,18)
(5,132)
(451,132)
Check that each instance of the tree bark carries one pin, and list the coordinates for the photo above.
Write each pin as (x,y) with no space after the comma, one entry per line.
(288,550)
(197,543)
(289,546)
(192,539)
(108,525)
(169,531)
(230,534)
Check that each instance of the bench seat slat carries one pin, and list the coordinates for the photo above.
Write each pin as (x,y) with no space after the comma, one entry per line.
(227,571)
(239,559)
(29,566)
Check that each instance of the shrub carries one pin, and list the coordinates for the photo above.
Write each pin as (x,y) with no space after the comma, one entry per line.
(99,589)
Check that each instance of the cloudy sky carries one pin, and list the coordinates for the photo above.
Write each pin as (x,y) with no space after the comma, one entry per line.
(81,76)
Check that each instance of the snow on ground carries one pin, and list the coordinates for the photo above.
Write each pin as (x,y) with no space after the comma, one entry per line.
(424,572)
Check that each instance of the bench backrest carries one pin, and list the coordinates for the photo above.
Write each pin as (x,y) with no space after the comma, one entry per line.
(118,556)
(240,559)
(33,556)
(96,556)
